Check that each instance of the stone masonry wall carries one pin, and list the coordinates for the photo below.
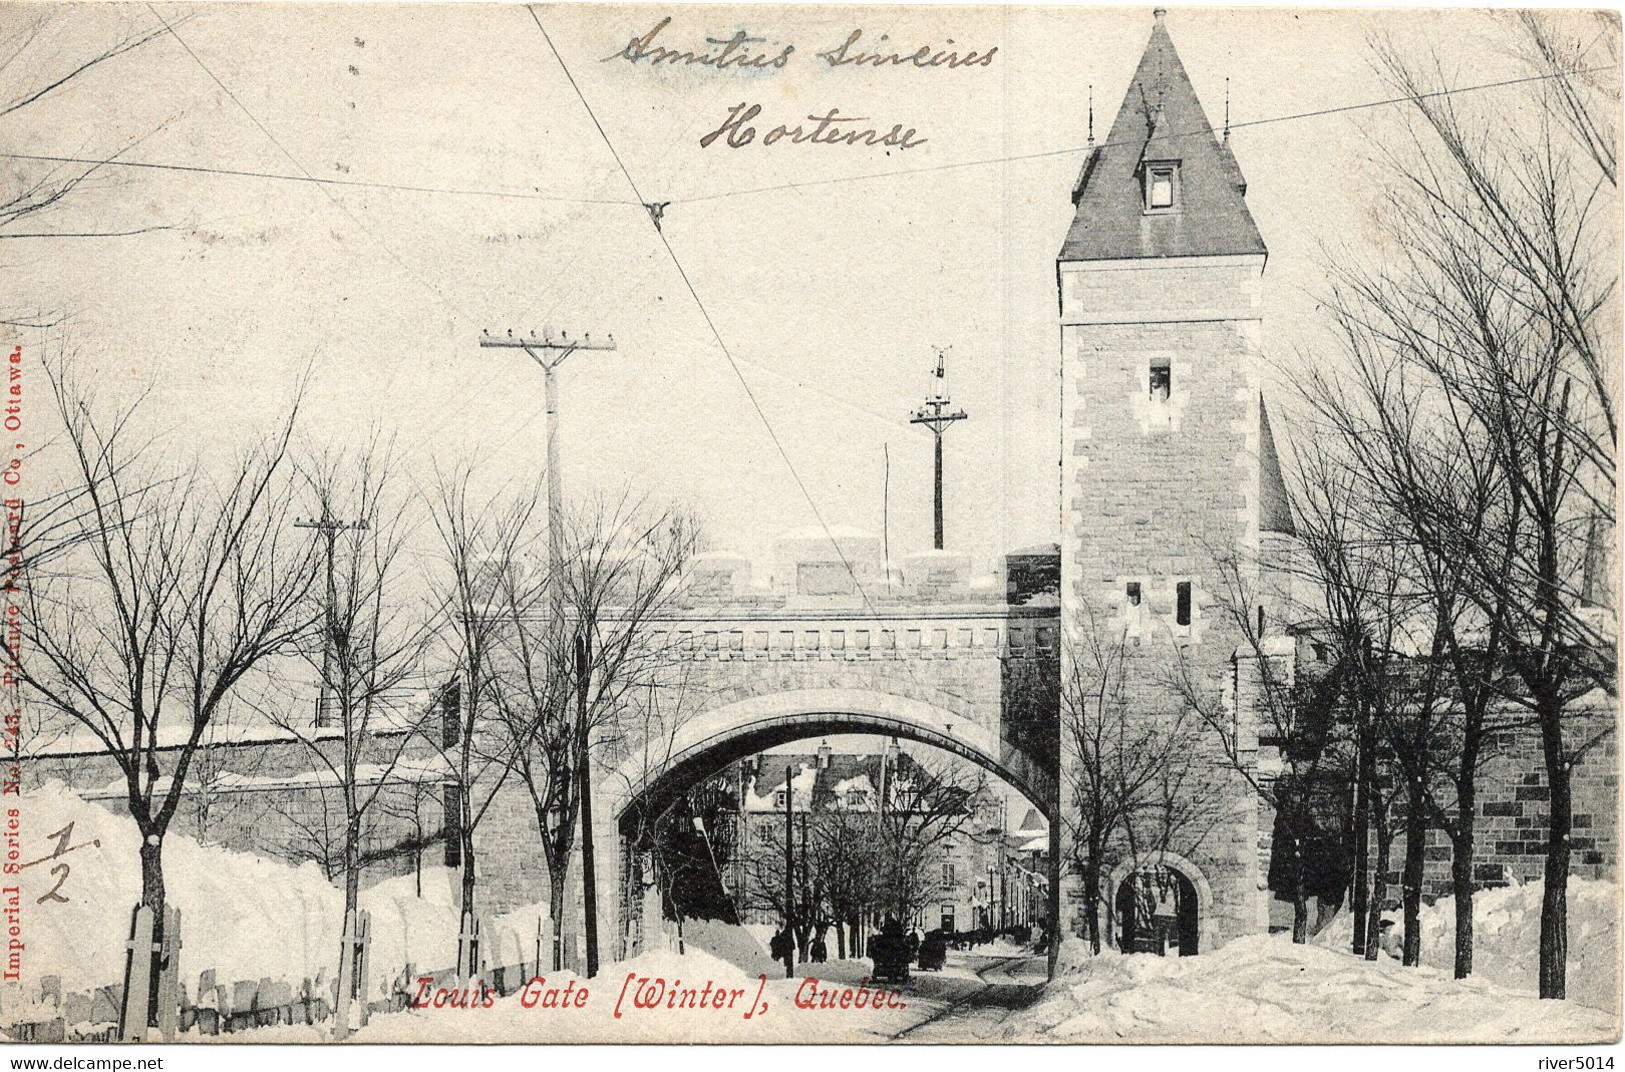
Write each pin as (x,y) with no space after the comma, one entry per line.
(275,815)
(1152,492)
(1512,809)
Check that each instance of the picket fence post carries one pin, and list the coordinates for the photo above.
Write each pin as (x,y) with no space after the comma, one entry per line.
(363,958)
(132,1023)
(341,1000)
(169,962)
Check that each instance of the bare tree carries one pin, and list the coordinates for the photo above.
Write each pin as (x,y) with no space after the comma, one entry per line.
(1414,486)
(44,52)
(843,858)
(483,547)
(1293,709)
(577,642)
(366,652)
(927,805)
(154,596)
(1494,325)
(1131,771)
(642,752)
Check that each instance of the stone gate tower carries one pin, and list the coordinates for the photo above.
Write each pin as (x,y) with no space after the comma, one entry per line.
(1160,285)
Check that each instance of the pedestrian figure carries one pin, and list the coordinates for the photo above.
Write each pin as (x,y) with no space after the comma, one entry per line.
(1164,915)
(780,946)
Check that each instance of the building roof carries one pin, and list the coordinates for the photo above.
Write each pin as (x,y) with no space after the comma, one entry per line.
(1274,507)
(1033,823)
(1160,119)
(824,784)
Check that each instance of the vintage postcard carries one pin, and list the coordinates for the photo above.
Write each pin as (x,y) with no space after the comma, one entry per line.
(809,524)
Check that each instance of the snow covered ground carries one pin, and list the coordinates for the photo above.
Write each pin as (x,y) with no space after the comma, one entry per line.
(248,917)
(1506,938)
(1265,989)
(754,1011)
(242,915)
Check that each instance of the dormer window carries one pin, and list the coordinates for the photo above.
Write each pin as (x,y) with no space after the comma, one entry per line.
(1162,186)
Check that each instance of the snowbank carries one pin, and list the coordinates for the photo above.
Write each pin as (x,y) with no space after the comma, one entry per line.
(1267,990)
(736,945)
(1506,938)
(242,915)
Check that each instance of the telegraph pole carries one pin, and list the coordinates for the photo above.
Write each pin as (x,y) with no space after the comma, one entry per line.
(329,527)
(550,352)
(937,413)
(789,875)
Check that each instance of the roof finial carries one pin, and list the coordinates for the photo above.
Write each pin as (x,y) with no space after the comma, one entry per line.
(1159,13)
(1091,115)
(1227,111)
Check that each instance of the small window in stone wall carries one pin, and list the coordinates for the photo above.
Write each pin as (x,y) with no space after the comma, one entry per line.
(811,639)
(1182,603)
(1132,592)
(860,640)
(1161,379)
(759,642)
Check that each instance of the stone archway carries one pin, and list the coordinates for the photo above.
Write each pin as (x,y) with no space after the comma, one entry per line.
(732,731)
(745,727)
(1197,928)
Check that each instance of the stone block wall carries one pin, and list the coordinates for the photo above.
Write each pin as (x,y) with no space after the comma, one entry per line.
(1513,796)
(261,796)
(1156,492)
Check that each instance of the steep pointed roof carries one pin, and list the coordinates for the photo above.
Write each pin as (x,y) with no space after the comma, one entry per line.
(1160,119)
(1274,507)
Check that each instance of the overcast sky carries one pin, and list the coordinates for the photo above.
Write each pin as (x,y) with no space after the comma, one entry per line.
(830,297)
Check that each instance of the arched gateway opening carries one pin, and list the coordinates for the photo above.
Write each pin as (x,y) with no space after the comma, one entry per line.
(1162,905)
(654,786)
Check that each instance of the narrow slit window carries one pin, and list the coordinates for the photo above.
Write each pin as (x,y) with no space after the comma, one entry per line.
(1133,593)
(1260,621)
(1161,379)
(1182,603)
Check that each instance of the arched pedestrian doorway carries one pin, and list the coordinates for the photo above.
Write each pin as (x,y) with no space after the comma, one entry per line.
(1157,910)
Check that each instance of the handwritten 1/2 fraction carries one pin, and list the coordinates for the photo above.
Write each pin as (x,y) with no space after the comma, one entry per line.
(64,838)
